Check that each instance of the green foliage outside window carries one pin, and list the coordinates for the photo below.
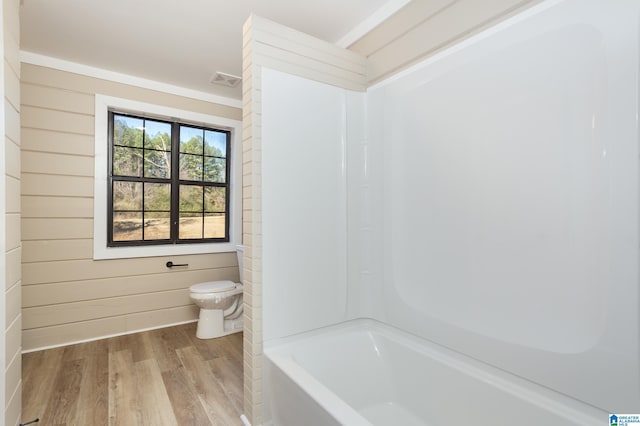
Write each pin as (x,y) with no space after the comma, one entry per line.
(142,164)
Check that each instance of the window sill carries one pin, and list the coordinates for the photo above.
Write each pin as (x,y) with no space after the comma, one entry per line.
(104,253)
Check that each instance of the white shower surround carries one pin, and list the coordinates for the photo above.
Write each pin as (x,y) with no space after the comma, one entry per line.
(489,204)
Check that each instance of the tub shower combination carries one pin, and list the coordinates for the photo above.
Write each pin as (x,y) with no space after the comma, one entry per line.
(460,243)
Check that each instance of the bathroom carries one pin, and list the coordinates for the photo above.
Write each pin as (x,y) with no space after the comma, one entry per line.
(67,295)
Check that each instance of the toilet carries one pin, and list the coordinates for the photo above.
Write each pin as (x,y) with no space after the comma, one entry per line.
(220,304)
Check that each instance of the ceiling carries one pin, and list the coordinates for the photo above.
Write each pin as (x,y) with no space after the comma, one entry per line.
(175,42)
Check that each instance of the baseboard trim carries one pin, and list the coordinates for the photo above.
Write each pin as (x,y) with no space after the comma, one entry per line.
(93,339)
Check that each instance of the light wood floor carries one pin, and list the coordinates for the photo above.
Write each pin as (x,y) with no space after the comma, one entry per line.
(158,377)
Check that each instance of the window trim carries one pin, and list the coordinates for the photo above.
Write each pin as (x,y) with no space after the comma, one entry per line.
(100,200)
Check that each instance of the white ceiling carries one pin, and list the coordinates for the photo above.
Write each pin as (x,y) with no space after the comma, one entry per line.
(179,42)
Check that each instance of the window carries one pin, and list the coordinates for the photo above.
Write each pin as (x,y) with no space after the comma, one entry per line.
(147,162)
(168,182)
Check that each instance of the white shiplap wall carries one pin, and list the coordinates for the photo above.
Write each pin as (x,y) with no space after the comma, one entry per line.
(13,280)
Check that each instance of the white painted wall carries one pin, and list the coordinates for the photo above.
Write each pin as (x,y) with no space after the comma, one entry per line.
(510,199)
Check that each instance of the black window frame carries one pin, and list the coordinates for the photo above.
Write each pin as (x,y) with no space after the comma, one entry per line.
(174,181)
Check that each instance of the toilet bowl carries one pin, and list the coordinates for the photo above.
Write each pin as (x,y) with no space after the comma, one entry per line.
(220,304)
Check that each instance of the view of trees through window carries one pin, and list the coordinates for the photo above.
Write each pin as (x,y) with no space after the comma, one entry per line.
(150,159)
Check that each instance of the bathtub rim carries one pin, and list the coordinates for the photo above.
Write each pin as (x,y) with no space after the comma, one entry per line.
(280,353)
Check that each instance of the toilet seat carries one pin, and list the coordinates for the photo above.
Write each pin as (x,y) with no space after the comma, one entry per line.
(212,287)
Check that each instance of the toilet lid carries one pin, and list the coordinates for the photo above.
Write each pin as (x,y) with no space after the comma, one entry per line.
(212,286)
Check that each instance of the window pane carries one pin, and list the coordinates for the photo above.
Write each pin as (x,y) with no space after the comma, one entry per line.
(191,140)
(214,199)
(190,198)
(127,195)
(127,226)
(127,161)
(215,169)
(127,131)
(157,225)
(190,226)
(214,225)
(157,196)
(215,143)
(157,164)
(157,135)
(143,151)
(191,167)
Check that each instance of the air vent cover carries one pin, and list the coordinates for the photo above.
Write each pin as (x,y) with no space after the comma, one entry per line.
(225,79)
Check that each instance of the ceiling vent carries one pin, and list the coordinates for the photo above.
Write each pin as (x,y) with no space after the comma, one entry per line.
(225,79)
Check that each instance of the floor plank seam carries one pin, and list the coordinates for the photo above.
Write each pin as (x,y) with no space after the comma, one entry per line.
(155,377)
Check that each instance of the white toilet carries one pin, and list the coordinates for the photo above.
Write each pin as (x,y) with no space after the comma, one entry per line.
(220,304)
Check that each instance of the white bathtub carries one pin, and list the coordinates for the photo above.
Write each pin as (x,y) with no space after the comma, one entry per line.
(364,372)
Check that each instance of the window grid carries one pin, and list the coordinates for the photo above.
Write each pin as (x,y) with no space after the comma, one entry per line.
(209,218)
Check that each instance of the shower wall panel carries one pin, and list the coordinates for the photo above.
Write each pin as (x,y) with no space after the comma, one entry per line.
(510,198)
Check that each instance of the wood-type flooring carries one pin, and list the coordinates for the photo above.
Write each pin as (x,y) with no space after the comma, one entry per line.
(158,377)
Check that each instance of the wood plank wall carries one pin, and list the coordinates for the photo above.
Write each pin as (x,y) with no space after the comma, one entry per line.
(268,44)
(423,28)
(13,317)
(67,296)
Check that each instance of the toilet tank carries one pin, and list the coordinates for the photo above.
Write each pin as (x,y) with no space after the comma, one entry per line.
(239,253)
